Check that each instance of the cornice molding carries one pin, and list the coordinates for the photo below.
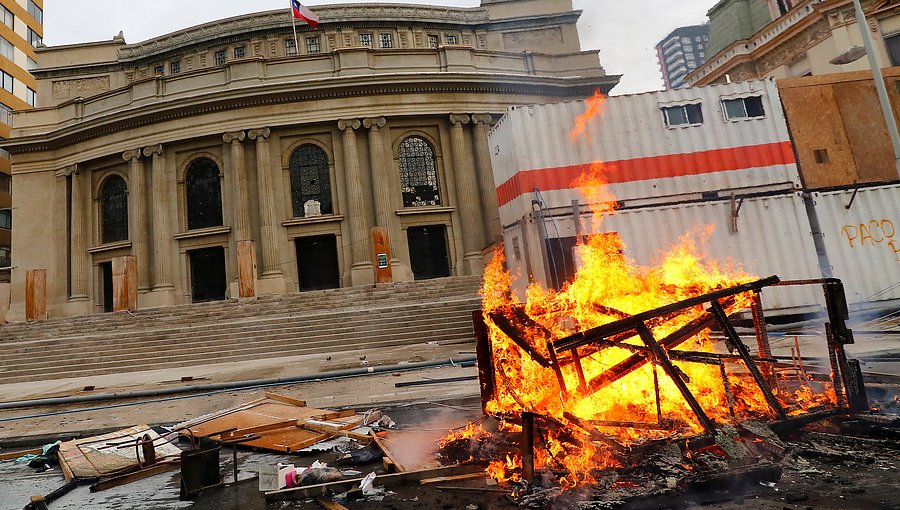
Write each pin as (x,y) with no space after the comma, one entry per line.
(313,90)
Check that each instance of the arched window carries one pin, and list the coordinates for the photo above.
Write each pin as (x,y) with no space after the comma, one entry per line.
(114,210)
(310,180)
(204,194)
(418,173)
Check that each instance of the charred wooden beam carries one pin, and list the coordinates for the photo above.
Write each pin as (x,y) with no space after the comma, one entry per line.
(631,323)
(527,446)
(514,334)
(485,359)
(595,434)
(638,360)
(557,369)
(735,341)
(659,355)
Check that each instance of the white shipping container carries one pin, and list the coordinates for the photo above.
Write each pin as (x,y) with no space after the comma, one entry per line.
(773,237)
(861,232)
(744,146)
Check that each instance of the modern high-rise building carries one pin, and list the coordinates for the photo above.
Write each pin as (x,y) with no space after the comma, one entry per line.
(20,32)
(681,52)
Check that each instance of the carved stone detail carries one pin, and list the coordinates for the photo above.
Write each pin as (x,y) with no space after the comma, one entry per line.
(482,118)
(262,134)
(374,123)
(344,125)
(234,137)
(84,87)
(153,150)
(129,155)
(459,119)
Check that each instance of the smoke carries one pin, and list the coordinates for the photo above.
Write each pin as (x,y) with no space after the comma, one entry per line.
(417,449)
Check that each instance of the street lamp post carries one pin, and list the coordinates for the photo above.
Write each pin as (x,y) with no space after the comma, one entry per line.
(879,83)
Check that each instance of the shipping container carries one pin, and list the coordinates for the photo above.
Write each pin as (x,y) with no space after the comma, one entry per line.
(657,147)
(770,235)
(838,127)
(861,232)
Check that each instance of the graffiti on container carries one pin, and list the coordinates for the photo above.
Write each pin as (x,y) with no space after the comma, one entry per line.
(881,232)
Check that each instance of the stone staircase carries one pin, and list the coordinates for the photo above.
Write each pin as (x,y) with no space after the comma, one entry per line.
(318,322)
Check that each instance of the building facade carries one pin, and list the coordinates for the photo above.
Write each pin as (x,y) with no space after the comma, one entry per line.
(374,127)
(680,52)
(21,32)
(753,39)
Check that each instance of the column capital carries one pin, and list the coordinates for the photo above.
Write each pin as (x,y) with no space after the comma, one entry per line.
(67,170)
(459,119)
(259,134)
(374,123)
(483,118)
(351,124)
(131,155)
(153,150)
(234,137)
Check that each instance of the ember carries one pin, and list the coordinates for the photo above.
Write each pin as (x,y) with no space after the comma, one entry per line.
(624,358)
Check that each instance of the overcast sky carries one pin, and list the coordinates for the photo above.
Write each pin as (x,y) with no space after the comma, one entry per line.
(625,32)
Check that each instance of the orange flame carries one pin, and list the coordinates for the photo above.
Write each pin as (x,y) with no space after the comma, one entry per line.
(608,286)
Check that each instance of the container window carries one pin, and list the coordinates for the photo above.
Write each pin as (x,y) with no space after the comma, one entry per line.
(744,108)
(821,156)
(683,115)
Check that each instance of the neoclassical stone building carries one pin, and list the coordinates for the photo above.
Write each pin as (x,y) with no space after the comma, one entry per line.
(176,149)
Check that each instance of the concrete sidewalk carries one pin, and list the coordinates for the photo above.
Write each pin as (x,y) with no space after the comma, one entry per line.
(365,391)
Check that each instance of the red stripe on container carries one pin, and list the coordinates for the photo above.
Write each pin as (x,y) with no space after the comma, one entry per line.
(654,167)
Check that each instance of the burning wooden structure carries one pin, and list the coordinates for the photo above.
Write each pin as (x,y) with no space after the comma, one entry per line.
(562,437)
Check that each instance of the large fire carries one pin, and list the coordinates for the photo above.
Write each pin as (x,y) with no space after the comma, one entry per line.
(609,286)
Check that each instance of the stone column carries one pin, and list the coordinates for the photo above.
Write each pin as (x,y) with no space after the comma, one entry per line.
(490,208)
(385,209)
(239,180)
(362,270)
(80,265)
(162,238)
(471,228)
(268,212)
(138,226)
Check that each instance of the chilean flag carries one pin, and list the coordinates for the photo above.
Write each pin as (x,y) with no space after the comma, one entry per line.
(301,12)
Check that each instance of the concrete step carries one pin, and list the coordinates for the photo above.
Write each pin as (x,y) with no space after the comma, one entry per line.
(257,325)
(125,351)
(229,331)
(300,302)
(273,346)
(82,371)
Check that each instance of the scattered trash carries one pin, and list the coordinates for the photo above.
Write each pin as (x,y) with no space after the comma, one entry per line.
(366,485)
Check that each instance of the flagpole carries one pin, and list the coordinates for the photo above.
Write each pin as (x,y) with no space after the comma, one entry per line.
(294,24)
